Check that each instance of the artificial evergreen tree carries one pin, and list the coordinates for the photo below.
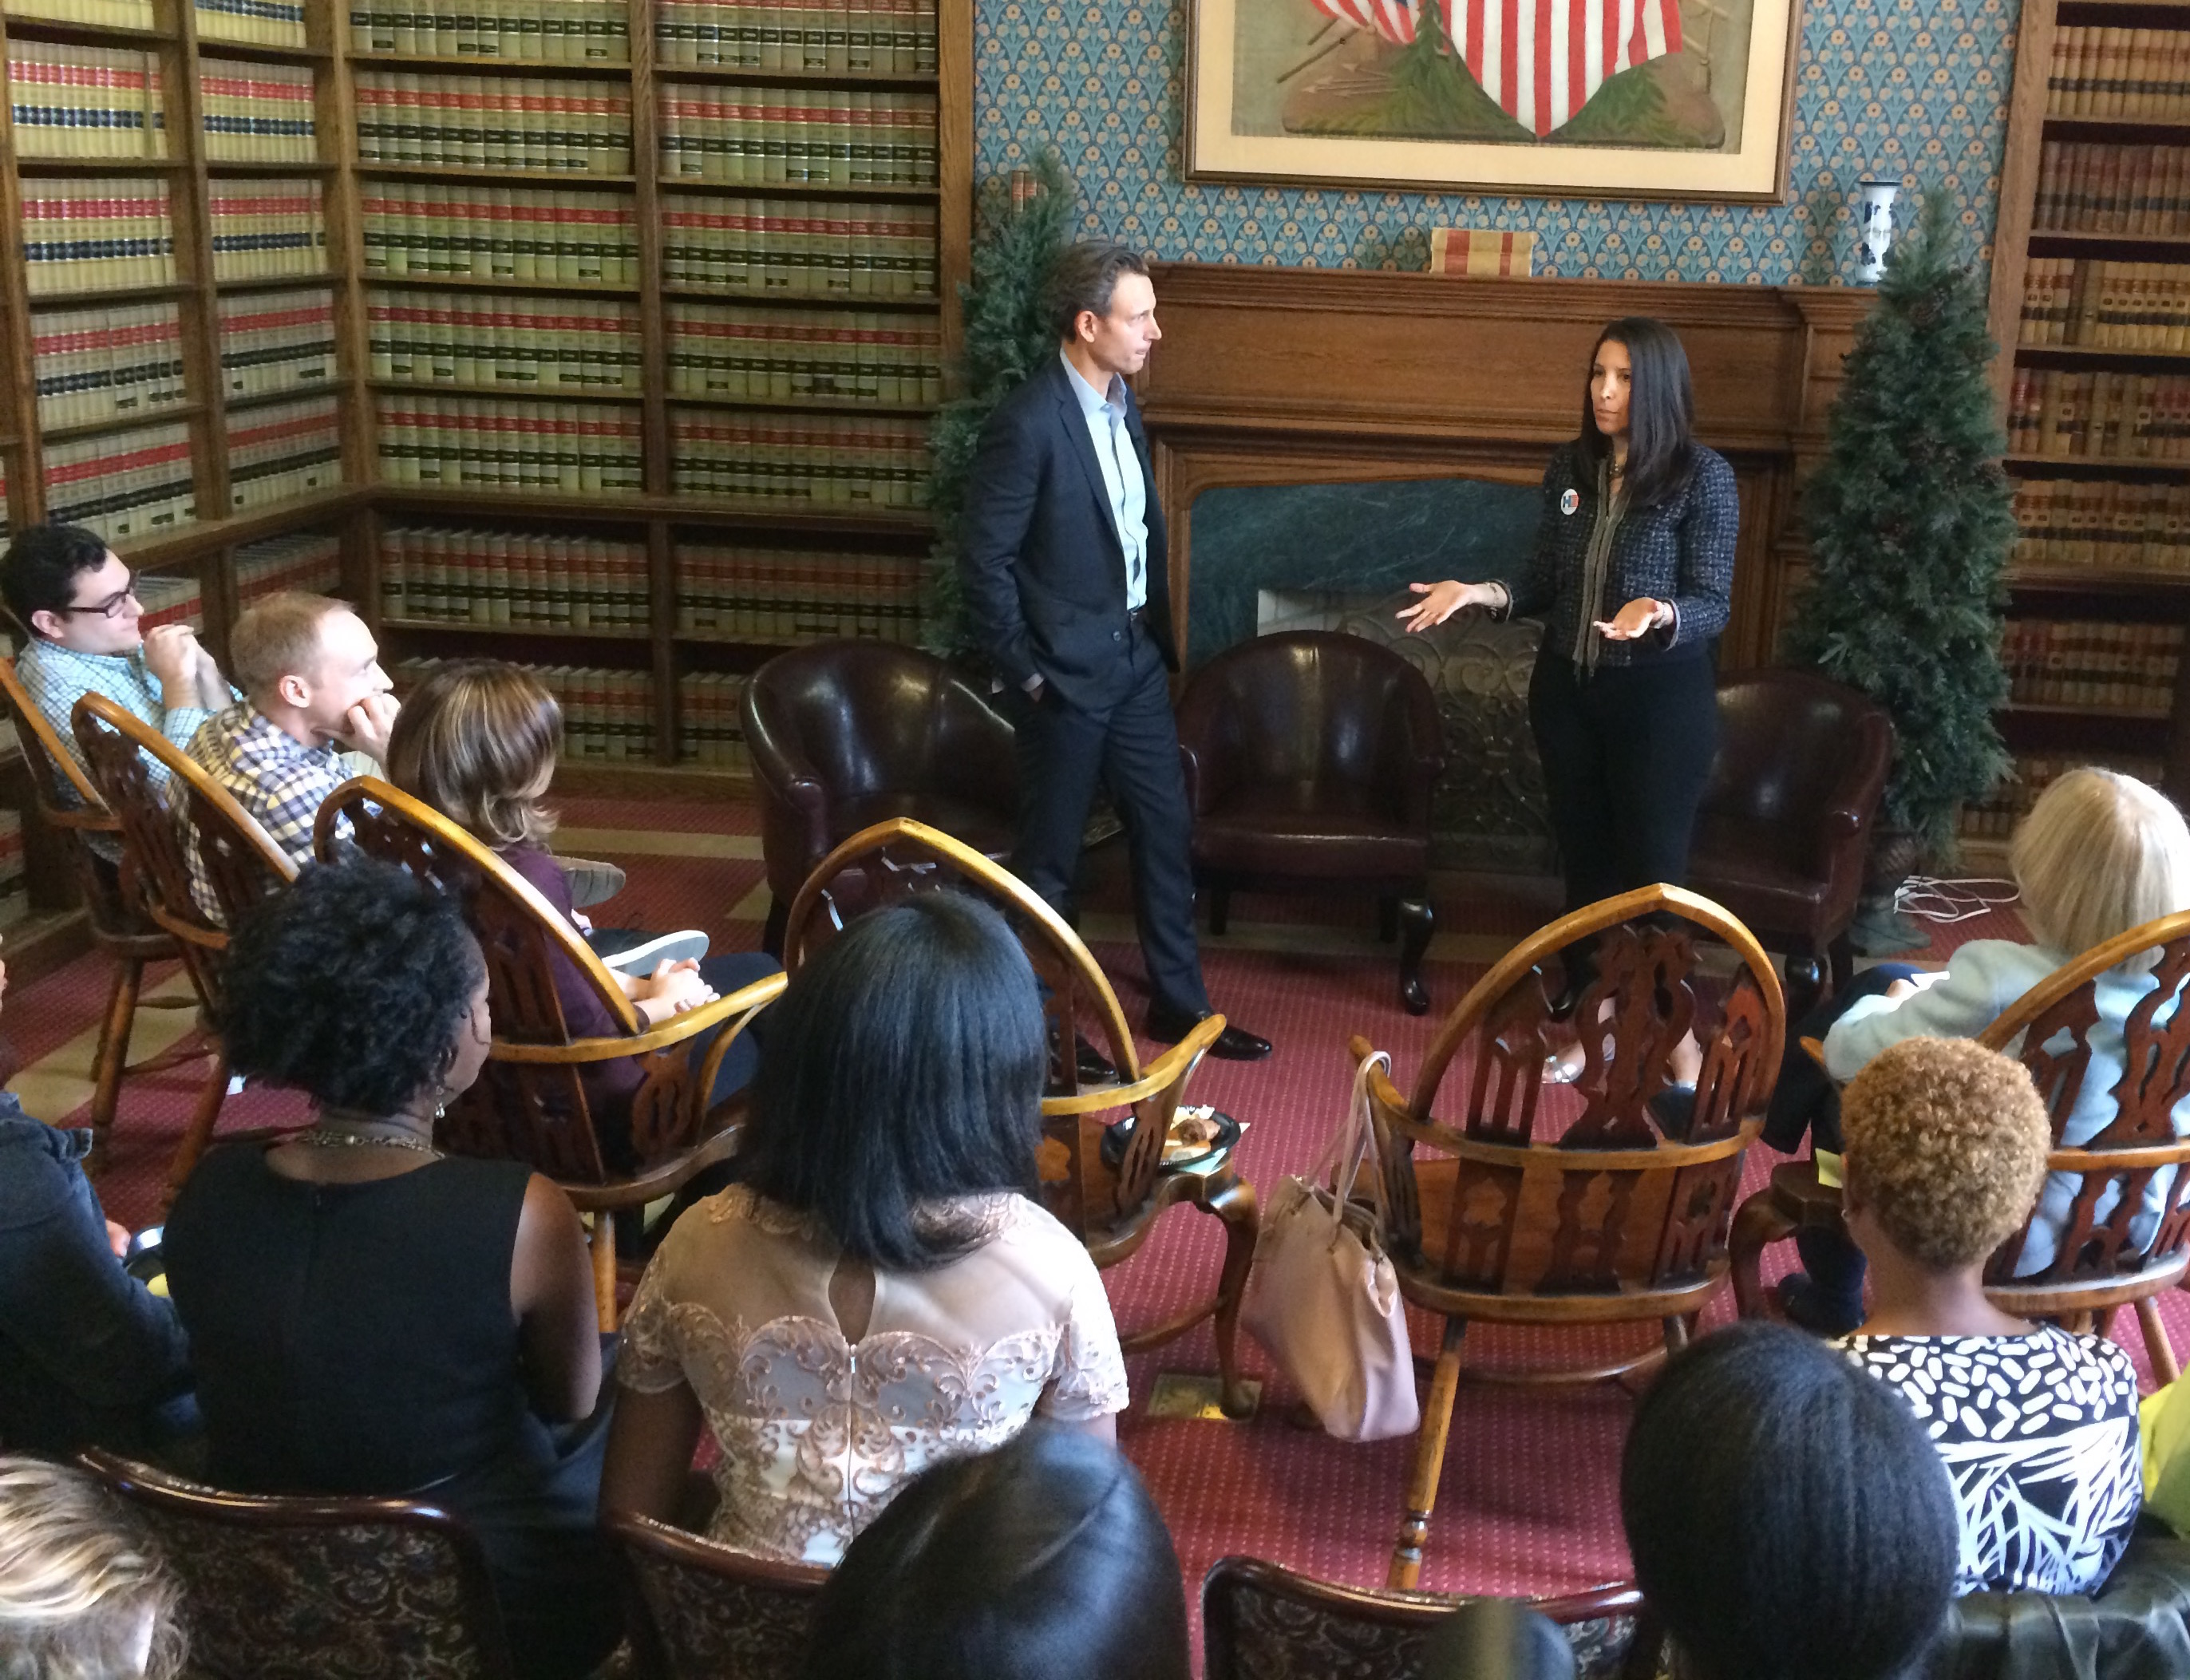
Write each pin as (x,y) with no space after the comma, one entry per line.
(1026,219)
(1910,522)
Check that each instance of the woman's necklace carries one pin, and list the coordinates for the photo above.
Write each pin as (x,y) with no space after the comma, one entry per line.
(324,1136)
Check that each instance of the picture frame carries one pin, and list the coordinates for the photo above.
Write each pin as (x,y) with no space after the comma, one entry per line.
(1564,99)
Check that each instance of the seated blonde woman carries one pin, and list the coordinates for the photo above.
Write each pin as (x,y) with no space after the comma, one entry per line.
(2038,1427)
(2100,853)
(84,1592)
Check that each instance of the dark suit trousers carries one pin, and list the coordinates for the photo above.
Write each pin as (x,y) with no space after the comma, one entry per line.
(1134,750)
(1627,755)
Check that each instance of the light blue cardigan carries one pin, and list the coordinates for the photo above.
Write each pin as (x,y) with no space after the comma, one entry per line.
(1983,977)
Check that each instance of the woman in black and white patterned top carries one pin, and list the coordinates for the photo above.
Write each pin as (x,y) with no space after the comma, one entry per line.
(2038,1428)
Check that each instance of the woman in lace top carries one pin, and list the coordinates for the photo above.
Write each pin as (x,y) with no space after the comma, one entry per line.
(879,1290)
(2038,1427)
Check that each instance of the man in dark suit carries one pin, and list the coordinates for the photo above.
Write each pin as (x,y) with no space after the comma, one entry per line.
(1065,574)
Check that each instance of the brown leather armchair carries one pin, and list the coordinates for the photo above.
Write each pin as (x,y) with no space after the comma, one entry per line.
(1309,760)
(844,735)
(1786,822)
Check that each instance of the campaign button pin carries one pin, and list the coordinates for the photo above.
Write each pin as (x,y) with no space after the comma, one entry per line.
(1570,501)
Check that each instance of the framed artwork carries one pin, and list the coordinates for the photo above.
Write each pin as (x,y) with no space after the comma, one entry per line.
(1566,99)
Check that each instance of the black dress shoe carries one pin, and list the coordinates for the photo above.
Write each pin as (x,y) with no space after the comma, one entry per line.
(1234,1044)
(1095,1067)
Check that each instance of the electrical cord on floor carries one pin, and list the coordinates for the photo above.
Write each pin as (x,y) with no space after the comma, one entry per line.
(1930,899)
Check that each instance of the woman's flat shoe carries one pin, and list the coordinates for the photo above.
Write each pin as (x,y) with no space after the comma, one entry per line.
(1673,1108)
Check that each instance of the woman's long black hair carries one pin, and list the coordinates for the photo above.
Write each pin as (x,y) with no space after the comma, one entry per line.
(1662,412)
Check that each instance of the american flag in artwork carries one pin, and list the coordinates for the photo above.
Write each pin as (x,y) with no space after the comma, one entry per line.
(1540,60)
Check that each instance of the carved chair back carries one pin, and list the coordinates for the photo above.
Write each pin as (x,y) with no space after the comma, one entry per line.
(2049,1028)
(1262,1622)
(242,863)
(700,1611)
(530,1102)
(893,860)
(301,1588)
(1486,1217)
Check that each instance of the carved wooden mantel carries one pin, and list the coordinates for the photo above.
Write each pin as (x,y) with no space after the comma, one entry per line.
(1299,376)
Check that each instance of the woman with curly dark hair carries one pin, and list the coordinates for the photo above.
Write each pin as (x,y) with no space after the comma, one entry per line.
(368,1316)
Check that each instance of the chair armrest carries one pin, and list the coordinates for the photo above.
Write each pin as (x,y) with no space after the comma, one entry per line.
(1190,765)
(784,772)
(1204,734)
(1861,781)
(675,1030)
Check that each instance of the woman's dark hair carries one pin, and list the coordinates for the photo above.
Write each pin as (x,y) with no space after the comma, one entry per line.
(1045,1557)
(1661,411)
(1084,278)
(1787,1515)
(903,1068)
(41,565)
(351,986)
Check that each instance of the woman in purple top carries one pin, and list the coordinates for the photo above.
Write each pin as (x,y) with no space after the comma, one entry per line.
(478,742)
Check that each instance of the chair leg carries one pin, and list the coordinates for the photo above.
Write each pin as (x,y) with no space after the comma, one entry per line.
(1419,918)
(1806,981)
(113,1055)
(210,1095)
(1236,1206)
(2164,1367)
(604,1269)
(1677,1334)
(779,924)
(1757,1223)
(1220,908)
(1429,1459)
(1842,956)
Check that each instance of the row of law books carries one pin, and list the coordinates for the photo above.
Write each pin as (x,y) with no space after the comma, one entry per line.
(99,14)
(1995,818)
(608,716)
(276,341)
(124,484)
(711,721)
(2087,188)
(578,127)
(813,137)
(283,450)
(567,449)
(261,23)
(482,233)
(559,31)
(2106,665)
(169,598)
(308,563)
(521,579)
(2113,416)
(798,249)
(96,235)
(2099,71)
(2107,305)
(263,230)
(2105,526)
(879,37)
(85,101)
(785,355)
(742,594)
(97,364)
(14,882)
(565,346)
(821,462)
(257,113)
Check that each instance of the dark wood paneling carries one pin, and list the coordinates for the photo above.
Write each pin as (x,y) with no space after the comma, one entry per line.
(1297,376)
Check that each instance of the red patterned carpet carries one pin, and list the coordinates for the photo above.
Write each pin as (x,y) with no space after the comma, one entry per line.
(1528,1504)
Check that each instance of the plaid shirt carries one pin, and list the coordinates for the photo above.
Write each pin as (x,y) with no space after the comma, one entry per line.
(281,783)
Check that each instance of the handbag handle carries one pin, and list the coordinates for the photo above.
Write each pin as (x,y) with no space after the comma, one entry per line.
(1353,1145)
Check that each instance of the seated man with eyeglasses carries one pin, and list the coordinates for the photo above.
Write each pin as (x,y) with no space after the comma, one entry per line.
(72,596)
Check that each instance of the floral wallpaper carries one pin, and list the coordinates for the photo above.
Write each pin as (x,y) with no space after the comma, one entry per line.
(1909,89)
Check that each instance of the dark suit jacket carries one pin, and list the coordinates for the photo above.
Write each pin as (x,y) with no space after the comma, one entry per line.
(1044,573)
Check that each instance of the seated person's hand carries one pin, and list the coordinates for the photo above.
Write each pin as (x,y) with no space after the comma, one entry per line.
(370,722)
(117,1238)
(171,655)
(213,687)
(671,990)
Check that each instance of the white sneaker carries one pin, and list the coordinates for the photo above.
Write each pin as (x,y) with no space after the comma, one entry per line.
(640,959)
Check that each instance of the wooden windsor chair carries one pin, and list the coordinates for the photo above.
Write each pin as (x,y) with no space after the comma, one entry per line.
(114,907)
(1609,1220)
(1111,1204)
(242,863)
(531,1103)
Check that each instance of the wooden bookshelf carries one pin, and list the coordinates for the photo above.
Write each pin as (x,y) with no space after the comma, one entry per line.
(2082,380)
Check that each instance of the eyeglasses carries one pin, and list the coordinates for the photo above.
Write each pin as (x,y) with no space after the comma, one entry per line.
(111,607)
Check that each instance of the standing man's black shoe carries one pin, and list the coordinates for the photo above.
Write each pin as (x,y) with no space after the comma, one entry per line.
(1234,1044)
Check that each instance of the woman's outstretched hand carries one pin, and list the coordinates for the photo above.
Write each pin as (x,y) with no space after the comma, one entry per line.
(1439,601)
(1639,618)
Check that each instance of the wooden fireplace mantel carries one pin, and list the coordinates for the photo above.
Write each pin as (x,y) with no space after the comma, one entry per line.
(1301,375)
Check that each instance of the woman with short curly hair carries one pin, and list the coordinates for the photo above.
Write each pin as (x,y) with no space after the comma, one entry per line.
(1946,1150)
(368,1316)
(84,1594)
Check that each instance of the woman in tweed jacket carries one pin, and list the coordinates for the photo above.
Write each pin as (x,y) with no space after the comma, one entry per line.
(1632,576)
